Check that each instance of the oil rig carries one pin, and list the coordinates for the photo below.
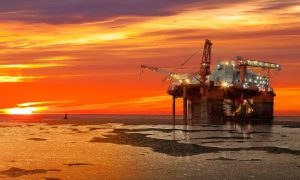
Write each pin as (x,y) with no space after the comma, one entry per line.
(233,90)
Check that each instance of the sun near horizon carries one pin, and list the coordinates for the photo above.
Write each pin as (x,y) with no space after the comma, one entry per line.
(23,110)
(20,111)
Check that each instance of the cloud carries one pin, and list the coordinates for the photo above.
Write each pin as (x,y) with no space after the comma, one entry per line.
(134,104)
(33,107)
(12,79)
(29,66)
(77,11)
(197,34)
(230,34)
(152,102)
(47,103)
(277,5)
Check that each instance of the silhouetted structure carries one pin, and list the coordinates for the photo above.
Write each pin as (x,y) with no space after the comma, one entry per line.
(66,116)
(233,90)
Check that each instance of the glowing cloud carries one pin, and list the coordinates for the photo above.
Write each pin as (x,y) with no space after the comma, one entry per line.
(32,107)
(5,79)
(28,66)
(134,104)
(42,103)
(56,58)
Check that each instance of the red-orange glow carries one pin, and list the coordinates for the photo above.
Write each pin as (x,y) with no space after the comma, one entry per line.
(91,65)
(287,101)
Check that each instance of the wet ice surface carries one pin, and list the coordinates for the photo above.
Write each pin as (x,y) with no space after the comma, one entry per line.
(114,151)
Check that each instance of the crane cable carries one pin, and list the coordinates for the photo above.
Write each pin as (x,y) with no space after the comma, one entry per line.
(188,59)
(182,64)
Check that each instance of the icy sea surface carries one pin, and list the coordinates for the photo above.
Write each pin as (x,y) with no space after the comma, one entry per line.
(146,147)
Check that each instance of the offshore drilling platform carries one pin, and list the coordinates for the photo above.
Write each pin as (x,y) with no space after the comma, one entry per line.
(233,90)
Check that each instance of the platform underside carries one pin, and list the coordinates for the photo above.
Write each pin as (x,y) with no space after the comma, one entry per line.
(219,103)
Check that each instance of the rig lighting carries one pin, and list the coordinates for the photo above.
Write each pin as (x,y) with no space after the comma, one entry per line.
(245,86)
(225,84)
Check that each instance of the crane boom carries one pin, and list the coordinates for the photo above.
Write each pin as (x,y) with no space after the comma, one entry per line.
(244,63)
(174,77)
(255,63)
(157,69)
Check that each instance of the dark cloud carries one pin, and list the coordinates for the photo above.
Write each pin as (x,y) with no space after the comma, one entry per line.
(76,11)
(277,4)
(196,34)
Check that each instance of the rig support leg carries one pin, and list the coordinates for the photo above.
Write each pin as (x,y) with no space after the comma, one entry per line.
(234,108)
(173,109)
(185,112)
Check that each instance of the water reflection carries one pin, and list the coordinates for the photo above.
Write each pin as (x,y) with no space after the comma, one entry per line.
(247,129)
(229,129)
(189,140)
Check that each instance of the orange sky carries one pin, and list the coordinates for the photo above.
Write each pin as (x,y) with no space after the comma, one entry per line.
(84,56)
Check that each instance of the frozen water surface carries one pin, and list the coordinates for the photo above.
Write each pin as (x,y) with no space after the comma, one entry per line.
(70,150)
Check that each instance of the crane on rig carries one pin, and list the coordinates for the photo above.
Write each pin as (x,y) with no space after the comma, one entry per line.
(236,71)
(175,78)
(189,78)
(231,89)
(157,69)
(243,63)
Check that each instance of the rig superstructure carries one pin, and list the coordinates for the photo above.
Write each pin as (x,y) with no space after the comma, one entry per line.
(232,90)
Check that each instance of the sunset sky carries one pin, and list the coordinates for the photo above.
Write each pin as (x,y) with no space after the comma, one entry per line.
(83,56)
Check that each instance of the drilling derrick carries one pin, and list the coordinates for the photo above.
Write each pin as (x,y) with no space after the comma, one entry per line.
(205,65)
